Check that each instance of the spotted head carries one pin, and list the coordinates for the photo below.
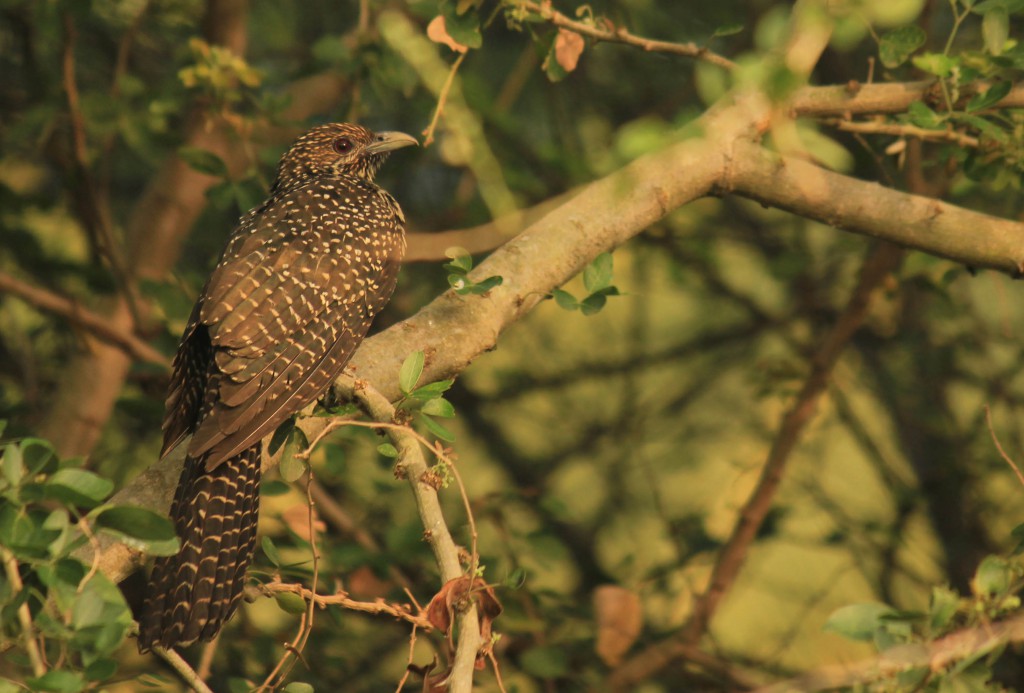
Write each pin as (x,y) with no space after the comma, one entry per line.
(338,149)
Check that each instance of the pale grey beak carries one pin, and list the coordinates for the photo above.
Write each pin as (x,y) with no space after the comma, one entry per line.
(389,141)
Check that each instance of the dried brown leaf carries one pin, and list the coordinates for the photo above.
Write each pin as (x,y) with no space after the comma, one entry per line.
(568,48)
(619,620)
(438,33)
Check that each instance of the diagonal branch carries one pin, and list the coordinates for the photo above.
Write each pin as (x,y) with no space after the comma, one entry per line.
(71,311)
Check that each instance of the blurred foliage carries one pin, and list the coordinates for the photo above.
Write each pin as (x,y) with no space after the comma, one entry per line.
(598,448)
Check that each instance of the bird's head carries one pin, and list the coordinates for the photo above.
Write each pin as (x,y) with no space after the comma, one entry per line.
(338,149)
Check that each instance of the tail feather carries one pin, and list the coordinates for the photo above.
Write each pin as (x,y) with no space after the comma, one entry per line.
(192,594)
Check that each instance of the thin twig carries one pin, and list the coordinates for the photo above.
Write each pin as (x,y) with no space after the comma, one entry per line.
(70,310)
(35,657)
(341,598)
(904,130)
(187,673)
(622,35)
(999,447)
(428,134)
(96,210)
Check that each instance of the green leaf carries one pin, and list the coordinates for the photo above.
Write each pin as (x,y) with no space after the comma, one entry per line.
(437,429)
(898,45)
(857,621)
(291,467)
(992,578)
(101,669)
(271,552)
(924,117)
(943,607)
(203,161)
(548,662)
(412,369)
(388,450)
(554,71)
(727,30)
(935,64)
(39,456)
(598,274)
(565,300)
(13,469)
(140,528)
(593,304)
(431,390)
(990,97)
(274,487)
(78,487)
(290,602)
(439,407)
(480,287)
(58,681)
(462,261)
(297,687)
(995,29)
(281,435)
(464,28)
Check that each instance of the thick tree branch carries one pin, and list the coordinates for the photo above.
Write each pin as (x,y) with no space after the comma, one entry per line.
(935,227)
(862,99)
(936,656)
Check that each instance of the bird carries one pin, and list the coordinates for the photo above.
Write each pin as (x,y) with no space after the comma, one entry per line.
(300,280)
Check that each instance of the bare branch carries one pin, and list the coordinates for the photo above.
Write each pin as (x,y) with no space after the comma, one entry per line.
(622,35)
(936,656)
(863,99)
(86,319)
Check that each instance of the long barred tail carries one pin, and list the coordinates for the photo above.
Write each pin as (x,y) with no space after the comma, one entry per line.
(192,594)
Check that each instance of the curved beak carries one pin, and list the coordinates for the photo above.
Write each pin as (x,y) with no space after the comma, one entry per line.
(389,141)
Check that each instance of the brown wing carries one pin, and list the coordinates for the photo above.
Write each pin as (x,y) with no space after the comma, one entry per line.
(287,307)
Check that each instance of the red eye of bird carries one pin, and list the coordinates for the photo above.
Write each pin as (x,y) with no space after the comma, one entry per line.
(342,145)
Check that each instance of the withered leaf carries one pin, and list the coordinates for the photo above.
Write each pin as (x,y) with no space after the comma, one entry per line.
(438,33)
(619,619)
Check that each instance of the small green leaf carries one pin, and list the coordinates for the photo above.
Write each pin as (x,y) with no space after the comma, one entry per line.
(58,681)
(857,621)
(281,435)
(995,29)
(924,117)
(727,30)
(140,528)
(431,390)
(387,450)
(991,97)
(935,64)
(13,469)
(78,487)
(439,407)
(38,456)
(565,300)
(101,670)
(274,487)
(412,369)
(291,468)
(480,287)
(464,28)
(992,578)
(943,607)
(297,687)
(598,274)
(437,429)
(592,304)
(462,261)
(271,552)
(203,161)
(290,602)
(898,45)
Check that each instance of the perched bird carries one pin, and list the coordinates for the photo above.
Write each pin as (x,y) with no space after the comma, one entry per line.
(292,297)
